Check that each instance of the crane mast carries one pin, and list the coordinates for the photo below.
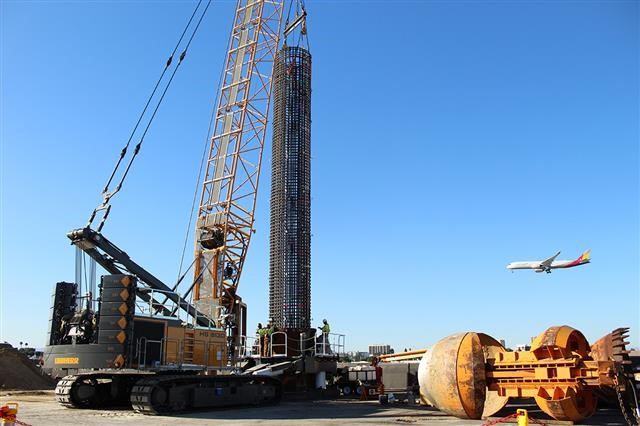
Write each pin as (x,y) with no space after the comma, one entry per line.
(226,210)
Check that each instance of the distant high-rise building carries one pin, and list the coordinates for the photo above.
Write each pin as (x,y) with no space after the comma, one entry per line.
(376,350)
(290,237)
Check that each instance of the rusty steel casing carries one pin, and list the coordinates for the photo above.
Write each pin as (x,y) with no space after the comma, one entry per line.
(451,376)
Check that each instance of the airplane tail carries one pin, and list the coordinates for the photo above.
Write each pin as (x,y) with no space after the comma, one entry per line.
(586,257)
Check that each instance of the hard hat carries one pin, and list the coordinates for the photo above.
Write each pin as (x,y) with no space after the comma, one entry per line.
(324,320)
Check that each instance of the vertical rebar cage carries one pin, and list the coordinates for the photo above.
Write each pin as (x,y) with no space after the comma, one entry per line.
(290,244)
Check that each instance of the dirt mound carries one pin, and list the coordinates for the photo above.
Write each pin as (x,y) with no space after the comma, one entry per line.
(19,372)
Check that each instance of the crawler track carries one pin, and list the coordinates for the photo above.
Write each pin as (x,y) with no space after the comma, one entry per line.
(96,390)
(170,394)
(63,391)
(164,394)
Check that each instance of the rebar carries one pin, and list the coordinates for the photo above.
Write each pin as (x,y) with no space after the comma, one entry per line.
(290,244)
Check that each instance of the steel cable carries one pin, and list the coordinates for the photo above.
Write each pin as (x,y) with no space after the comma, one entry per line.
(153,92)
(108,195)
(202,162)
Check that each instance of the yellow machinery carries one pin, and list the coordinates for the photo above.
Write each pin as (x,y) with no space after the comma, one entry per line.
(415,354)
(471,375)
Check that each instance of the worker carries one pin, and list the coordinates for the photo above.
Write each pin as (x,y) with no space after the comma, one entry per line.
(325,328)
(268,331)
(228,271)
(262,338)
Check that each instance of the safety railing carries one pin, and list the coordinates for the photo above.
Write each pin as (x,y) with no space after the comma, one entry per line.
(139,348)
(255,348)
(278,344)
(329,344)
(274,345)
(142,348)
(159,303)
(246,347)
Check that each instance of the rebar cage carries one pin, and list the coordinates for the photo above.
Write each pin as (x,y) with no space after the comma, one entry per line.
(290,242)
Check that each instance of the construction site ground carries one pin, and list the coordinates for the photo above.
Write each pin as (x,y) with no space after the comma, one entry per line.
(40,408)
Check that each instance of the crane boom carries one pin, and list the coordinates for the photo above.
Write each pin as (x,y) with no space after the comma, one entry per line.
(226,210)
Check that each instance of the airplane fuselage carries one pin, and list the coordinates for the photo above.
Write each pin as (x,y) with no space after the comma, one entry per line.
(538,264)
(549,264)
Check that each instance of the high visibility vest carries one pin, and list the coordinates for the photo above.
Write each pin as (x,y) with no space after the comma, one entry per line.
(325,328)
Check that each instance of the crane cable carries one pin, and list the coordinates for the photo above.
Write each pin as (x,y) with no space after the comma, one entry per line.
(144,110)
(107,195)
(208,138)
(301,11)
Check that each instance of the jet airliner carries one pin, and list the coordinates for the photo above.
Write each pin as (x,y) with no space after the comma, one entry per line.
(551,263)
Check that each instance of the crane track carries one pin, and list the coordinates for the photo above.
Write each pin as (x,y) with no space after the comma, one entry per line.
(63,391)
(179,393)
(96,390)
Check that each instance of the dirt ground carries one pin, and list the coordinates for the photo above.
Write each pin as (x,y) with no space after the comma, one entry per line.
(18,372)
(40,408)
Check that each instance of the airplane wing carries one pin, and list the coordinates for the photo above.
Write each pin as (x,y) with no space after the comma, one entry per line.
(545,264)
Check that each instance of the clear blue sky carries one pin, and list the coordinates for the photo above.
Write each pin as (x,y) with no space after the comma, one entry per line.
(449,138)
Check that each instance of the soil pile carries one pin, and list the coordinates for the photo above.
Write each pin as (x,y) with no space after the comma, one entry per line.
(19,372)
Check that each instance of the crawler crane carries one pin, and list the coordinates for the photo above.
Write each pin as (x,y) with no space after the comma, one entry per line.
(171,348)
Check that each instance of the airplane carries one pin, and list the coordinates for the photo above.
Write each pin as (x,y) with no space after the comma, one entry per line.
(551,263)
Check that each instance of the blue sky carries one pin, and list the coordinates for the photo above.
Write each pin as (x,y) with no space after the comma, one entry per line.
(449,138)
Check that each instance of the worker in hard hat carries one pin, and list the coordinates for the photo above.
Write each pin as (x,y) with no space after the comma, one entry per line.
(262,338)
(325,328)
(268,331)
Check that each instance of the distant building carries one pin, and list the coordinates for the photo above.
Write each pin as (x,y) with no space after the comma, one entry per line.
(375,350)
